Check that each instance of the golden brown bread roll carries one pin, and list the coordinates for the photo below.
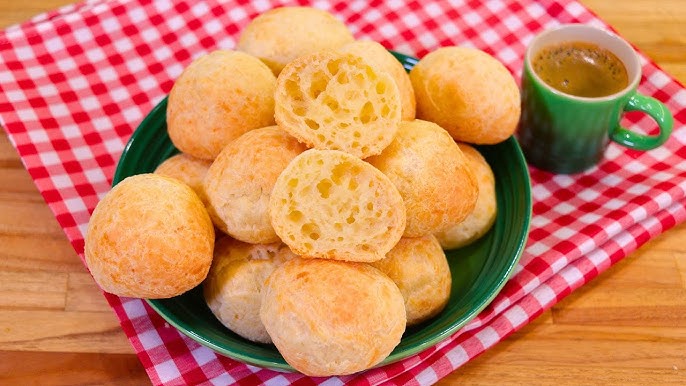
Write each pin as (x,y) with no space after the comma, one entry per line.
(337,101)
(332,317)
(432,175)
(419,268)
(187,169)
(218,97)
(467,92)
(281,35)
(149,237)
(233,287)
(483,216)
(241,179)
(378,57)
(329,204)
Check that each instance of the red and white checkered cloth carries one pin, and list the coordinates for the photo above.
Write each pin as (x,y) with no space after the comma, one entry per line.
(76,82)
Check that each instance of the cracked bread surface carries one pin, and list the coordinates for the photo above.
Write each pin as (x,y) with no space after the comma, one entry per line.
(218,97)
(283,34)
(335,101)
(332,317)
(240,181)
(149,237)
(378,57)
(432,175)
(330,204)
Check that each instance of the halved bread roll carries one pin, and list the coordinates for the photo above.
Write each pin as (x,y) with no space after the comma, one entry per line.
(330,204)
(283,34)
(149,237)
(240,181)
(218,97)
(432,175)
(233,287)
(187,169)
(379,58)
(483,216)
(332,317)
(419,268)
(337,101)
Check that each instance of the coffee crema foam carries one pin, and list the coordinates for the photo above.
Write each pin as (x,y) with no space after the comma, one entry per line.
(581,69)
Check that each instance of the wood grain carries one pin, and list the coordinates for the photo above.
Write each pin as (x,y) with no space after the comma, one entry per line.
(626,327)
(55,326)
(56,368)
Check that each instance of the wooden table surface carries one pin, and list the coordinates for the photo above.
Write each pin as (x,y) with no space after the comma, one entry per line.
(627,326)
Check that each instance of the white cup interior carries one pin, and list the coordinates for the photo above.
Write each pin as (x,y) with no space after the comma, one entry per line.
(585,33)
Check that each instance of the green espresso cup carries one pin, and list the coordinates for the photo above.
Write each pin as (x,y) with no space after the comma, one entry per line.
(565,133)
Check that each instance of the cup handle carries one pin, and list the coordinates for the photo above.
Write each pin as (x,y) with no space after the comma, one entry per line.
(656,110)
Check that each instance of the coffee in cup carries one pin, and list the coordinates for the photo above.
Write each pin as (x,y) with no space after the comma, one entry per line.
(580,68)
(577,83)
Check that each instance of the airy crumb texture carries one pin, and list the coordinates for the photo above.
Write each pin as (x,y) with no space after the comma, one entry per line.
(332,317)
(467,92)
(281,35)
(241,180)
(337,101)
(483,216)
(329,204)
(187,169)
(233,287)
(218,97)
(432,175)
(378,57)
(149,237)
(419,268)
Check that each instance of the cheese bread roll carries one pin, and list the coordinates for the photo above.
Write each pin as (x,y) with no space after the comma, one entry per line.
(337,101)
(419,268)
(382,60)
(332,317)
(218,97)
(329,204)
(149,237)
(240,181)
(233,287)
(483,216)
(432,175)
(283,34)
(467,92)
(187,169)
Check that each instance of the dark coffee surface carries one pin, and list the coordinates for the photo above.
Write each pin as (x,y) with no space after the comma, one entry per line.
(581,69)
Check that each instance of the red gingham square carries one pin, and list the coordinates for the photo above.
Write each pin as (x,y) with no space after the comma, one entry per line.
(74,83)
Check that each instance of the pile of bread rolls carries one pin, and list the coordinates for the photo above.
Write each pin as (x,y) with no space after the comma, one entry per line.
(317,186)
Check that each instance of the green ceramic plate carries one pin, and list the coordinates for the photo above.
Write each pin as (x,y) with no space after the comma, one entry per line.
(479,271)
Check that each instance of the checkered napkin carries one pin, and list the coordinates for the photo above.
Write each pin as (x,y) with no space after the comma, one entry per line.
(76,82)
